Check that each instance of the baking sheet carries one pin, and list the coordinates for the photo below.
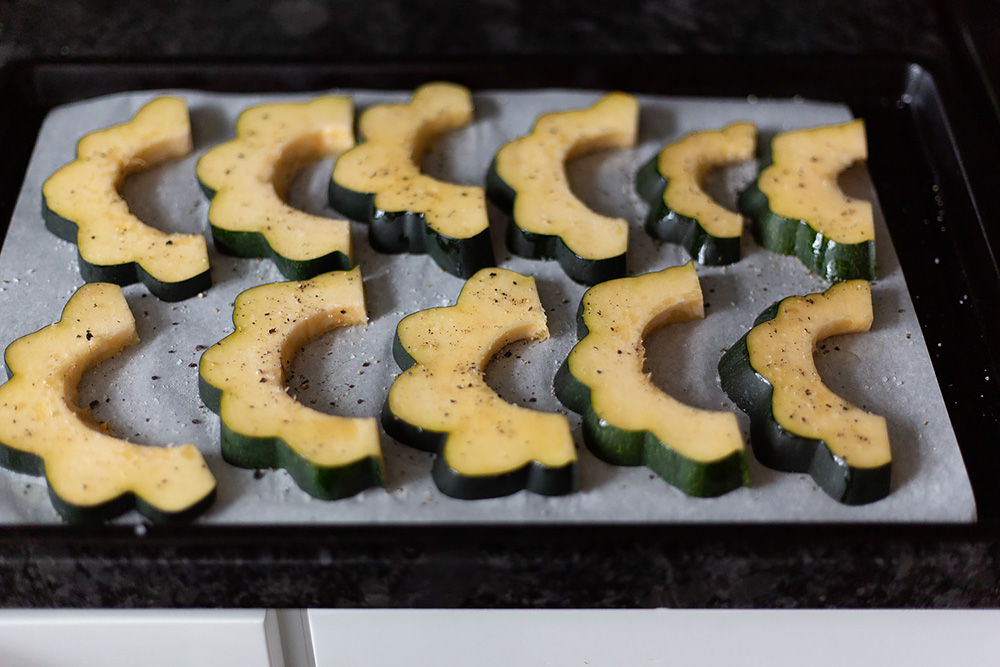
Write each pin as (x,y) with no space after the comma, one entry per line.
(348,371)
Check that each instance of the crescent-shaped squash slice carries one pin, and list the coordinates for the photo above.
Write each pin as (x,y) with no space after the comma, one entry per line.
(242,378)
(81,204)
(527,180)
(247,180)
(796,423)
(798,208)
(91,475)
(380,182)
(627,420)
(680,210)
(441,403)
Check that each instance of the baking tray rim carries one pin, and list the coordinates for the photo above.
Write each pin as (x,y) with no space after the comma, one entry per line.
(166,74)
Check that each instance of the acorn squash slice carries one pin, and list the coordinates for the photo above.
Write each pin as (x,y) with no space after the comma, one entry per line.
(92,476)
(247,180)
(441,403)
(798,209)
(380,182)
(627,420)
(680,210)
(527,180)
(796,423)
(242,378)
(81,204)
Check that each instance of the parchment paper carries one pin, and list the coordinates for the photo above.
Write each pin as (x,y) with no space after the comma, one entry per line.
(348,371)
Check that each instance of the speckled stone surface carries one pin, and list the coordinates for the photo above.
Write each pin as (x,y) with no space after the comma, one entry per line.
(721,567)
(791,568)
(357,28)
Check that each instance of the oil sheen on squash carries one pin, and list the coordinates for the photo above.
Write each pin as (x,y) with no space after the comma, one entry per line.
(243,379)
(528,181)
(248,179)
(441,402)
(380,182)
(797,423)
(799,209)
(81,203)
(680,209)
(627,419)
(92,475)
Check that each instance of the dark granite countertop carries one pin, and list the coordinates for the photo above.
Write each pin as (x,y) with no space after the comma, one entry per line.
(312,29)
(731,567)
(691,566)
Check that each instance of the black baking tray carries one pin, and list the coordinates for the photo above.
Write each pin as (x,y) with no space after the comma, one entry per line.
(932,165)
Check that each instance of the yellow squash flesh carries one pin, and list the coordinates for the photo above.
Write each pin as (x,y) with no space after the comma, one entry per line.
(85,192)
(445,390)
(387,163)
(619,314)
(273,323)
(251,175)
(39,414)
(781,352)
(801,183)
(685,163)
(534,168)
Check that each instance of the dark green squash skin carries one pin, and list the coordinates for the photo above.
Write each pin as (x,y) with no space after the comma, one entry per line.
(27,463)
(545,246)
(781,449)
(624,447)
(254,244)
(393,232)
(534,476)
(665,224)
(831,260)
(125,503)
(323,482)
(123,274)
(355,205)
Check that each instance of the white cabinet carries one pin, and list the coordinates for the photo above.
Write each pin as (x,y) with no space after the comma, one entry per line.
(631,638)
(497,638)
(139,638)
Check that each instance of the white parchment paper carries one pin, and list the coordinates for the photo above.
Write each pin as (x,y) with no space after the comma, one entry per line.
(149,393)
